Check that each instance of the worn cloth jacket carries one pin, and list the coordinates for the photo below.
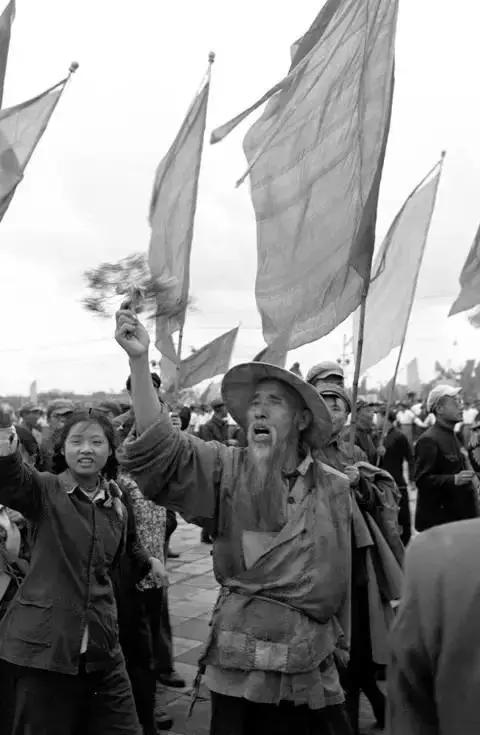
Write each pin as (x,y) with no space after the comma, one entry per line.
(438,458)
(68,585)
(434,674)
(294,598)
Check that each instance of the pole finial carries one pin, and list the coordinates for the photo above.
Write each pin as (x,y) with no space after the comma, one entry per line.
(444,153)
(211,57)
(73,67)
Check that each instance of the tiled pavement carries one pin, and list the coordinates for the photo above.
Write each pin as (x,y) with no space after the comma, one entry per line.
(192,594)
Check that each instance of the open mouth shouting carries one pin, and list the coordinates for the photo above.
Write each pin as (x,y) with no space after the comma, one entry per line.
(261,433)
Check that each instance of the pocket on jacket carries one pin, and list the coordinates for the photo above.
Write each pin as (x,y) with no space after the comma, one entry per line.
(31,622)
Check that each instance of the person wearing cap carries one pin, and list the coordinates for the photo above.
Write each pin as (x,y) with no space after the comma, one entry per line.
(282,542)
(58,411)
(442,474)
(360,673)
(30,415)
(326,372)
(337,452)
(216,429)
(364,429)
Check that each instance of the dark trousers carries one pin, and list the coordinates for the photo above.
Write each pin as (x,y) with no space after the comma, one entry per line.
(137,645)
(7,697)
(360,674)
(404,516)
(99,703)
(156,606)
(235,716)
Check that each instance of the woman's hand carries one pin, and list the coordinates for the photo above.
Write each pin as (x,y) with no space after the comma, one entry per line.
(130,332)
(159,573)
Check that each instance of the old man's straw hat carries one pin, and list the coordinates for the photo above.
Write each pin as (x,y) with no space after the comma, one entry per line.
(238,389)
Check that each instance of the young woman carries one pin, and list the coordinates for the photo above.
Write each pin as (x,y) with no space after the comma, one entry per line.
(61,628)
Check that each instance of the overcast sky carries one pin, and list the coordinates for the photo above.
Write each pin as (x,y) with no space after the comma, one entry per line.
(85,196)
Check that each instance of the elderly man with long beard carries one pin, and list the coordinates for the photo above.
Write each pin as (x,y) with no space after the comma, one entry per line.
(282,542)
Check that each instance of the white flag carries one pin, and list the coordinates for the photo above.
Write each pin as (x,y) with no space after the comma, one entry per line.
(315,161)
(395,274)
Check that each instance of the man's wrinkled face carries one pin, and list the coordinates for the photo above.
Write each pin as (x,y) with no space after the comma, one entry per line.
(275,416)
(338,412)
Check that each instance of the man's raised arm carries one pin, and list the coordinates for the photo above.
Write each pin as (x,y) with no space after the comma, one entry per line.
(133,337)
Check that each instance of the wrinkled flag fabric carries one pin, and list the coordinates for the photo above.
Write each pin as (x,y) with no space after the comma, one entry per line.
(395,274)
(172,215)
(315,161)
(469,281)
(21,128)
(209,361)
(6,20)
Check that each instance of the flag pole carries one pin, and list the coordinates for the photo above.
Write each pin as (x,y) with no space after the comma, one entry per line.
(391,392)
(358,363)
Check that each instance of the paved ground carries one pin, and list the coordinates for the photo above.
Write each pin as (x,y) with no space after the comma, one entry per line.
(192,594)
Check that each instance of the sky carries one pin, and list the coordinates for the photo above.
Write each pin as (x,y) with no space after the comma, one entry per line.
(85,195)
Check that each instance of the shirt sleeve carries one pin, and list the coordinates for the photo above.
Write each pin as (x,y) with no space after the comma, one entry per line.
(21,487)
(176,469)
(410,679)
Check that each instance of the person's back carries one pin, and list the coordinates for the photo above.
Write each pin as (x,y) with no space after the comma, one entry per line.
(434,677)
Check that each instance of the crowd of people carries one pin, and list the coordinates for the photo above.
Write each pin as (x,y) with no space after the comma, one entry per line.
(318,601)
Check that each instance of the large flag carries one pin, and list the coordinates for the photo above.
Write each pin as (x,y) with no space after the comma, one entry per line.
(469,280)
(210,360)
(172,215)
(315,161)
(21,128)
(395,274)
(6,20)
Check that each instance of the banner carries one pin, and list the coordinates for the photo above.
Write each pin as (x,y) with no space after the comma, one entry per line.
(469,281)
(315,161)
(6,20)
(21,128)
(395,274)
(172,215)
(210,360)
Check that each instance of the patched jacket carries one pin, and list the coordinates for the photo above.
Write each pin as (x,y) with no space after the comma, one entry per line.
(295,596)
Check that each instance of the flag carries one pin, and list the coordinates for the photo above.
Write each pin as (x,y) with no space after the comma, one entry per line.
(6,20)
(395,274)
(21,128)
(315,160)
(413,376)
(276,353)
(469,280)
(210,360)
(172,214)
